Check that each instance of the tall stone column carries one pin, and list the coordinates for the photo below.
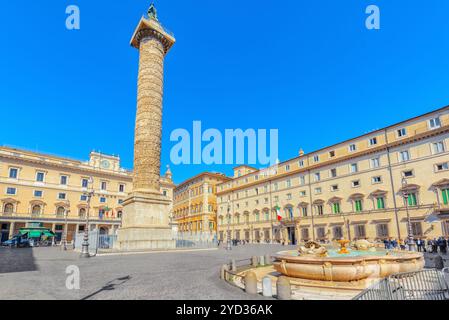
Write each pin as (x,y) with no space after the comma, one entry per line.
(145,221)
(148,130)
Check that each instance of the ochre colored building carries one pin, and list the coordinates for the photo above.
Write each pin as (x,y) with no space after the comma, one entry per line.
(354,189)
(46,189)
(195,207)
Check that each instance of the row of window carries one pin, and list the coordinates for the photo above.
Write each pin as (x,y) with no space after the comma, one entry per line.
(12,191)
(37,210)
(193,209)
(64,180)
(359,231)
(194,226)
(436,147)
(194,192)
(333,173)
(335,206)
(336,232)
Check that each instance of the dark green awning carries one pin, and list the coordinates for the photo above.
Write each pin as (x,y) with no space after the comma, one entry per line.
(34,234)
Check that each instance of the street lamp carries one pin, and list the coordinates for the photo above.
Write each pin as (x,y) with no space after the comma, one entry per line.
(66,213)
(85,245)
(411,242)
(229,244)
(346,225)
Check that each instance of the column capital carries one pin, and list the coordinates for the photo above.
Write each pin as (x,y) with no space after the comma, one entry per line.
(152,29)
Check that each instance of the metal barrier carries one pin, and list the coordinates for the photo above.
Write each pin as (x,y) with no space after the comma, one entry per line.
(196,241)
(237,277)
(427,284)
(97,241)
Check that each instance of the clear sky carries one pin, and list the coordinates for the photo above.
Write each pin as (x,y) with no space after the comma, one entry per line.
(308,68)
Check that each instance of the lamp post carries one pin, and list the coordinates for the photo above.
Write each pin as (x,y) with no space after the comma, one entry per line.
(346,224)
(85,245)
(411,242)
(66,213)
(228,243)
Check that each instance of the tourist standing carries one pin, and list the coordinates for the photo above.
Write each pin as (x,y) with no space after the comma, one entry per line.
(394,243)
(419,244)
(442,245)
(429,245)
(434,245)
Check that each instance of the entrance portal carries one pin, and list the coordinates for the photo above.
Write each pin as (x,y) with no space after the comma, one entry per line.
(291,235)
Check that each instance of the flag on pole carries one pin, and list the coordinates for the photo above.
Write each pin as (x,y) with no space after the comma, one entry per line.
(431,218)
(278,212)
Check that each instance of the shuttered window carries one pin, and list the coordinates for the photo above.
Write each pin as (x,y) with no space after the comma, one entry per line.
(336,207)
(380,203)
(412,199)
(445,195)
(358,205)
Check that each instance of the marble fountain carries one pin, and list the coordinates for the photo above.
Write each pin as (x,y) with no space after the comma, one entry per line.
(362,261)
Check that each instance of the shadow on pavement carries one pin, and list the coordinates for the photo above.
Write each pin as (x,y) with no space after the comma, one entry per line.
(109,286)
(17,260)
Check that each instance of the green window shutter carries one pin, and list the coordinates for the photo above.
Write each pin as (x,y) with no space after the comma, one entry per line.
(412,199)
(358,205)
(380,203)
(445,193)
(336,207)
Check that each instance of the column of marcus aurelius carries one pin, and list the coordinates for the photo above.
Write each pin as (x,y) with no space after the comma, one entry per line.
(145,222)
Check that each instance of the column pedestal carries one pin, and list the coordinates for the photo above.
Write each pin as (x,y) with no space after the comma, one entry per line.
(145,223)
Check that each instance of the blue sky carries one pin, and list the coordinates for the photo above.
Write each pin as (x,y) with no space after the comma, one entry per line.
(308,68)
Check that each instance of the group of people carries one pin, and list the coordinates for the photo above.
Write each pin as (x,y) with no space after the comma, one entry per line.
(392,243)
(431,245)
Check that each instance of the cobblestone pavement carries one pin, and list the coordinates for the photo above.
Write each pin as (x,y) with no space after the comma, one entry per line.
(40,273)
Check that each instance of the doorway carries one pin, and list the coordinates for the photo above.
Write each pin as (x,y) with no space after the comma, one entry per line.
(291,235)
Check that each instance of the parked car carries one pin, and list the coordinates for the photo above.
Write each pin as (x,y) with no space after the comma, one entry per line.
(17,241)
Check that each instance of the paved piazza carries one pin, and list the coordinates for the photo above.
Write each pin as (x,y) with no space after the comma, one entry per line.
(39,273)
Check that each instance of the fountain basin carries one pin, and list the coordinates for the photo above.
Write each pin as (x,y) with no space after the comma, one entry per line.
(354,266)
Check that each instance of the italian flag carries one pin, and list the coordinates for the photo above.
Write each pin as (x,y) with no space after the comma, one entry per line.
(107,210)
(278,212)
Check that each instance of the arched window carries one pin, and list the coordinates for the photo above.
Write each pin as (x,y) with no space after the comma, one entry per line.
(60,211)
(82,212)
(119,214)
(36,210)
(9,208)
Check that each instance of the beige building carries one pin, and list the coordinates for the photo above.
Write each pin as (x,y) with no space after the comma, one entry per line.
(195,206)
(40,188)
(354,189)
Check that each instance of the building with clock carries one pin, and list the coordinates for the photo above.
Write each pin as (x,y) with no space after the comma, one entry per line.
(51,191)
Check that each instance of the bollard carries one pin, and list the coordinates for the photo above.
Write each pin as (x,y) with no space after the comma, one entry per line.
(251,282)
(262,260)
(254,261)
(267,259)
(233,265)
(438,262)
(283,289)
(267,290)
(223,270)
